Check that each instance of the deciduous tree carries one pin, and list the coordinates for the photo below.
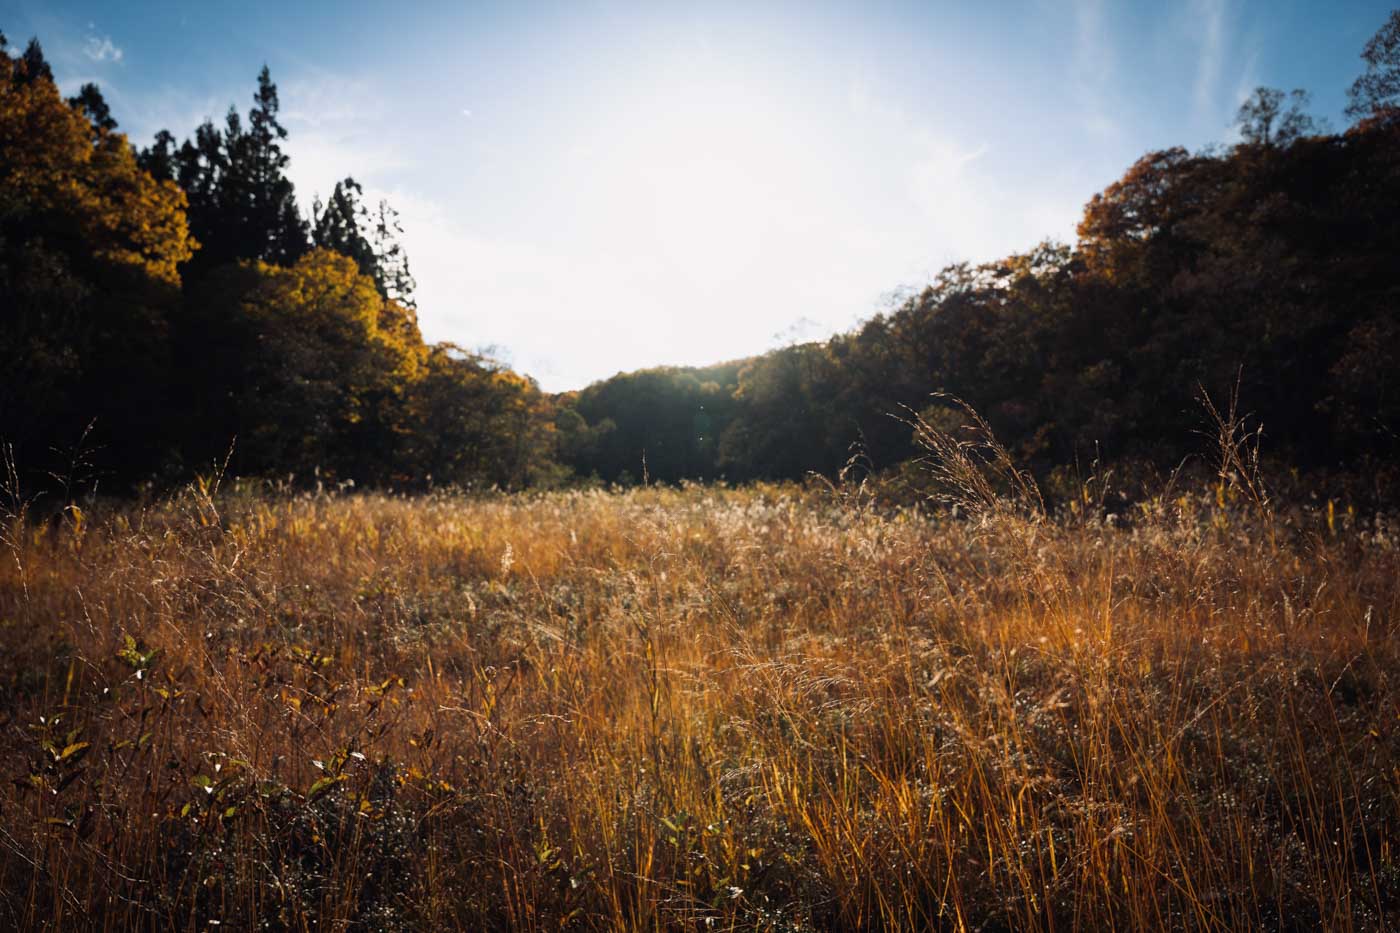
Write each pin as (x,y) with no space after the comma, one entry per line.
(1376,94)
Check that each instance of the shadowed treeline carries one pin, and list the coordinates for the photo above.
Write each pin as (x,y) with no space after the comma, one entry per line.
(172,307)
(1268,266)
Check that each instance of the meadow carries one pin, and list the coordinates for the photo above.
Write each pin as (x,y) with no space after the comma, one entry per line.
(706,708)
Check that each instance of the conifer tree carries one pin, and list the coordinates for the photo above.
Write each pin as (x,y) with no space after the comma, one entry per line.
(345,225)
(160,158)
(276,231)
(90,101)
(339,225)
(392,274)
(242,204)
(32,65)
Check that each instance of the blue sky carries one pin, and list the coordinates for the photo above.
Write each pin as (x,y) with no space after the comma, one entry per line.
(591,187)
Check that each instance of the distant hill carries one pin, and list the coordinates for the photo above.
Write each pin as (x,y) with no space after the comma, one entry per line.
(1270,266)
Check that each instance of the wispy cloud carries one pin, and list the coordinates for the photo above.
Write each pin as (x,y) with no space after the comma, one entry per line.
(965,211)
(1210,17)
(102,49)
(325,99)
(1246,83)
(1092,67)
(335,126)
(1227,64)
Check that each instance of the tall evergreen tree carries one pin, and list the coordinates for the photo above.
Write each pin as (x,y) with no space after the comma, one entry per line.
(160,158)
(90,101)
(345,225)
(392,274)
(275,230)
(32,65)
(242,205)
(201,166)
(340,224)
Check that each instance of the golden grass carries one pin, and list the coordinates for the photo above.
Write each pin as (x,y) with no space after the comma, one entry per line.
(695,709)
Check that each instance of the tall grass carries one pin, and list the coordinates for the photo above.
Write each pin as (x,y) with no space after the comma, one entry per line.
(759,709)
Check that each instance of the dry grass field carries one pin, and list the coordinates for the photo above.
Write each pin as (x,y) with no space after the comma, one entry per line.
(770,708)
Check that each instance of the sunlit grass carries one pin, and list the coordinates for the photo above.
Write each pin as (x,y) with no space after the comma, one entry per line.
(770,708)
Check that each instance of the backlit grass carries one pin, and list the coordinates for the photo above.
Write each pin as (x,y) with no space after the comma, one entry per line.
(772,708)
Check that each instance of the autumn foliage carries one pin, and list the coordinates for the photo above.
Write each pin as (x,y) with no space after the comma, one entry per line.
(70,180)
(137,351)
(1266,267)
(174,309)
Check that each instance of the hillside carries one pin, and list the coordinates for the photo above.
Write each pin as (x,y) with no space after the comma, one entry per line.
(1268,268)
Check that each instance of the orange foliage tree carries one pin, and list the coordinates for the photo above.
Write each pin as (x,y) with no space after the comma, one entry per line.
(71,178)
(90,249)
(328,366)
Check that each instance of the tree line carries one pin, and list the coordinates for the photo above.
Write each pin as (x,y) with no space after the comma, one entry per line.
(170,307)
(1268,267)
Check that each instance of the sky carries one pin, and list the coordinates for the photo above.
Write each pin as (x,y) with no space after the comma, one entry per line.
(593,187)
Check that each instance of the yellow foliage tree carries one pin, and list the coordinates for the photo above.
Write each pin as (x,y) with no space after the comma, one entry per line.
(84,183)
(330,364)
(90,253)
(474,423)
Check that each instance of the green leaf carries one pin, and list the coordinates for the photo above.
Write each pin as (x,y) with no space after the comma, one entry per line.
(321,786)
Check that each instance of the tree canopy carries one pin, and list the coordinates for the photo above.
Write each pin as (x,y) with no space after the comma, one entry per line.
(162,307)
(1376,93)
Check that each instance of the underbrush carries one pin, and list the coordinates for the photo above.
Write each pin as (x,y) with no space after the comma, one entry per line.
(762,709)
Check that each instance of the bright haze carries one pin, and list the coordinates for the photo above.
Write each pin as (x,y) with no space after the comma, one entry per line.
(595,187)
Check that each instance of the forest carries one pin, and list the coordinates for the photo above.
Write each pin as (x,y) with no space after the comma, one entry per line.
(172,307)
(1265,267)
